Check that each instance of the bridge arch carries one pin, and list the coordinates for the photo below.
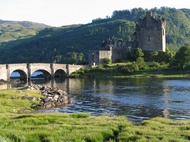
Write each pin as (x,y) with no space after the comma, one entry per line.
(23,75)
(26,69)
(61,74)
(45,74)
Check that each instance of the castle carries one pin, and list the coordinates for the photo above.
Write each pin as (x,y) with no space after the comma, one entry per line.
(150,35)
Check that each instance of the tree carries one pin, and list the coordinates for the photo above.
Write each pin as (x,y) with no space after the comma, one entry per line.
(80,58)
(141,63)
(182,57)
(162,57)
(138,53)
(72,56)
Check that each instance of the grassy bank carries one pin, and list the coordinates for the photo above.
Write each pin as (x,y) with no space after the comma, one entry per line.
(28,126)
(124,70)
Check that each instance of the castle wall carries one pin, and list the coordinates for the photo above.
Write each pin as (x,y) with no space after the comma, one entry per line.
(96,57)
(151,40)
(93,57)
(164,39)
(104,54)
(119,53)
(115,54)
(150,33)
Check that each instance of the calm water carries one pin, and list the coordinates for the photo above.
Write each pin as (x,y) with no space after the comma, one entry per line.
(137,99)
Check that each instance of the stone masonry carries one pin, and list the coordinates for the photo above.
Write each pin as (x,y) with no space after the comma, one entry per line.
(150,35)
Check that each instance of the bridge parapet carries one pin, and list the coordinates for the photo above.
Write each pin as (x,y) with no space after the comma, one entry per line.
(3,72)
(60,66)
(39,66)
(73,68)
(26,69)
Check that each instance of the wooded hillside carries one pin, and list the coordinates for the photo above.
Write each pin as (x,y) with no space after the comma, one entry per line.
(70,44)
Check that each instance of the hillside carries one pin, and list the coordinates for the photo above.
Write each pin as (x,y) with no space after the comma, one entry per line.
(70,44)
(15,30)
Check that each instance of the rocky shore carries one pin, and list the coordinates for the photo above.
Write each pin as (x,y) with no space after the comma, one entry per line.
(2,81)
(52,97)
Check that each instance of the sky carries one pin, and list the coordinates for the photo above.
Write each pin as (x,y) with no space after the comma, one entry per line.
(66,12)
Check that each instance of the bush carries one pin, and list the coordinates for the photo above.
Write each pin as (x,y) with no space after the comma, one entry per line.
(138,53)
(182,58)
(141,63)
(129,68)
(107,61)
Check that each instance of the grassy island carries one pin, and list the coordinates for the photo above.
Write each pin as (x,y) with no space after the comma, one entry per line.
(20,123)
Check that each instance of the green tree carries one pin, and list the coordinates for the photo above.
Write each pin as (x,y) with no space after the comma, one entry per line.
(72,56)
(182,57)
(58,58)
(138,53)
(80,57)
(162,57)
(141,63)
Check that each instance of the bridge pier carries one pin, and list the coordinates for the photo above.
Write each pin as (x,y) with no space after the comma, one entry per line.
(8,72)
(28,72)
(67,70)
(52,70)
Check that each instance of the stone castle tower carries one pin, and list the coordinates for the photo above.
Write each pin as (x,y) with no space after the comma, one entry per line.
(150,33)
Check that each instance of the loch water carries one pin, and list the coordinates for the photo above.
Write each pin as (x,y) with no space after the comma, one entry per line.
(136,98)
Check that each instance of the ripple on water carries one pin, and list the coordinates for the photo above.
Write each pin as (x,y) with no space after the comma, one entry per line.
(136,98)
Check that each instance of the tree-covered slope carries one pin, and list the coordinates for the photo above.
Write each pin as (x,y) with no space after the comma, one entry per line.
(177,28)
(70,44)
(14,30)
(65,44)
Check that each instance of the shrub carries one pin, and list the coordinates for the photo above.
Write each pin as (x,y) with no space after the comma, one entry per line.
(129,68)
(141,63)
(107,61)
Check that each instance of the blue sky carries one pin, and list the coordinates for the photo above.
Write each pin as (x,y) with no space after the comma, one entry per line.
(66,12)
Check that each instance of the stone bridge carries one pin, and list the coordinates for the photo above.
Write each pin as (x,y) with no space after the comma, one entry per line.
(27,69)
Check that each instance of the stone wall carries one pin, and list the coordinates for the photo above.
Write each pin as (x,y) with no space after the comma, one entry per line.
(96,57)
(104,54)
(119,53)
(150,33)
(26,70)
(3,72)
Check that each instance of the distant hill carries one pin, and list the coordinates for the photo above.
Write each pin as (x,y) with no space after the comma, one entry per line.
(14,30)
(70,44)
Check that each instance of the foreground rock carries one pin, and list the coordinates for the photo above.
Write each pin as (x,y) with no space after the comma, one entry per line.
(53,97)
(2,81)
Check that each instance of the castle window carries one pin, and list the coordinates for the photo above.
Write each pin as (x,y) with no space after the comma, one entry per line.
(149,38)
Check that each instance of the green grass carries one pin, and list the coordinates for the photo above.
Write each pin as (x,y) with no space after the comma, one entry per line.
(10,31)
(79,127)
(119,70)
(11,102)
(158,129)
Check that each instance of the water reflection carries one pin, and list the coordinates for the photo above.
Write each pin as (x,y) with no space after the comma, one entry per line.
(136,98)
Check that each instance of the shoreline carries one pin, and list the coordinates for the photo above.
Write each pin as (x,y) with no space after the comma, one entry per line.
(26,126)
(136,75)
